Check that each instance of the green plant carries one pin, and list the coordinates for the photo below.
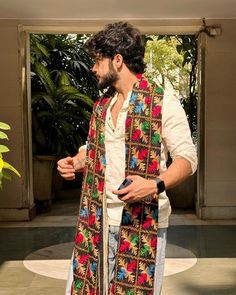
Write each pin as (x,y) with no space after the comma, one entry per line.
(174,59)
(64,53)
(60,115)
(188,47)
(165,63)
(4,149)
(62,86)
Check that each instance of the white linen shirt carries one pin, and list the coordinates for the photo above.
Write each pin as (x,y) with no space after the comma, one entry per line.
(176,139)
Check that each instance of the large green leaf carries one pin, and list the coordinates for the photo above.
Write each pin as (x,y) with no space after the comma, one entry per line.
(45,77)
(71,92)
(44,114)
(46,97)
(3,135)
(42,48)
(1,164)
(67,127)
(6,175)
(4,126)
(37,52)
(64,79)
(10,167)
(3,149)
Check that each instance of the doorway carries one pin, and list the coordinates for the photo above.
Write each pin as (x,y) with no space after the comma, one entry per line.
(31,30)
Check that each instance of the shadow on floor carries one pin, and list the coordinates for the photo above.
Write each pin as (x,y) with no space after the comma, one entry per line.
(17,243)
(207,241)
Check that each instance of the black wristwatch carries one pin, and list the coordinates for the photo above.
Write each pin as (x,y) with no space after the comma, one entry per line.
(160,185)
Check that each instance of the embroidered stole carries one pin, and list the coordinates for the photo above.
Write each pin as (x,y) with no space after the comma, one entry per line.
(136,254)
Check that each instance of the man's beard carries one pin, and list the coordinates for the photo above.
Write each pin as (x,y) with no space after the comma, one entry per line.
(109,78)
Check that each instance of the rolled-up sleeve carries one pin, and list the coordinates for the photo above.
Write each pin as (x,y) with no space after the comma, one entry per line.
(82,147)
(176,133)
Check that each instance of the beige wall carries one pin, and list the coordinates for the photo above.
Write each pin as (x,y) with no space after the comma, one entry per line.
(220,123)
(219,185)
(13,197)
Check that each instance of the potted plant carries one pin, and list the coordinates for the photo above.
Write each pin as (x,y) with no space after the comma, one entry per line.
(60,109)
(59,123)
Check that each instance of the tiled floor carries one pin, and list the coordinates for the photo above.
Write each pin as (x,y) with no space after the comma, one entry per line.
(34,256)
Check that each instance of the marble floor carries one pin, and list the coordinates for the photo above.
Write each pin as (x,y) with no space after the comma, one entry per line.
(34,256)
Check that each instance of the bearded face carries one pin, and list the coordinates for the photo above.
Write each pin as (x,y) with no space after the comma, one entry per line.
(108,78)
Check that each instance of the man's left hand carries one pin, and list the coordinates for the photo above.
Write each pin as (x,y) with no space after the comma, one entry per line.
(138,190)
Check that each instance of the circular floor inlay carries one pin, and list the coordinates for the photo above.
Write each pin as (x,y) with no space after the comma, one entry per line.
(54,261)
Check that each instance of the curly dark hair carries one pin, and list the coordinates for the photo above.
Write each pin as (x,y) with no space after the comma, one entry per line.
(119,38)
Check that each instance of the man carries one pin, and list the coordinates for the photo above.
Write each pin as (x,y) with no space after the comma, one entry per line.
(121,237)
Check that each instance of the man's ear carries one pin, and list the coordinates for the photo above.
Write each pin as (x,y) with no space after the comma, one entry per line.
(118,61)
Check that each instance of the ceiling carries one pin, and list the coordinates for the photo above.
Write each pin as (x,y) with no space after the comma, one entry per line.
(117,9)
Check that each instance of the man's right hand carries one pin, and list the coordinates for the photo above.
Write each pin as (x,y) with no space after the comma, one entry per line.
(66,168)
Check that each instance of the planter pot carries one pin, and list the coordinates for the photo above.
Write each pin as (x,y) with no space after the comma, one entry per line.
(42,180)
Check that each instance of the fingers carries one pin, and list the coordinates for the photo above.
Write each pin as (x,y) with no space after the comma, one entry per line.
(138,190)
(68,176)
(133,177)
(66,169)
(123,188)
(127,194)
(123,194)
(66,162)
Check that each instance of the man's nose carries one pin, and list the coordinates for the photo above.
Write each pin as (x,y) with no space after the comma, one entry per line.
(94,68)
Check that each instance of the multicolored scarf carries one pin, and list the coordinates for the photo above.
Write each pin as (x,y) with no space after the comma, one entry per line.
(136,254)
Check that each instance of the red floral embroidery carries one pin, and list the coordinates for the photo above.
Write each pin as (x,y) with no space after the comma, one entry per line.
(89,273)
(143,84)
(92,219)
(92,154)
(156,111)
(132,266)
(79,238)
(153,166)
(154,242)
(147,223)
(136,134)
(112,288)
(104,114)
(139,76)
(98,167)
(148,100)
(83,258)
(101,186)
(142,154)
(92,133)
(128,122)
(96,239)
(136,211)
(96,103)
(124,246)
(142,278)
(104,100)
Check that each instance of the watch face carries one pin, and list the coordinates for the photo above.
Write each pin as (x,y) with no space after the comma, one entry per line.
(160,185)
